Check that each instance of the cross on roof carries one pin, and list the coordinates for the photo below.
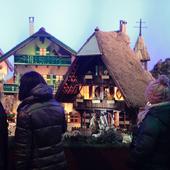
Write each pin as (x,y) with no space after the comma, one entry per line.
(140,27)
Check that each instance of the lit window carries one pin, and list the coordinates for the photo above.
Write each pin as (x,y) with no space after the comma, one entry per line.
(85,92)
(117,94)
(43,51)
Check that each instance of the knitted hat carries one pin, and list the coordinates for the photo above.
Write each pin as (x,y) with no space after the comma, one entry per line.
(158,90)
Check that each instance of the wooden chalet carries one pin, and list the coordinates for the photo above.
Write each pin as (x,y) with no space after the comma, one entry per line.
(40,52)
(106,77)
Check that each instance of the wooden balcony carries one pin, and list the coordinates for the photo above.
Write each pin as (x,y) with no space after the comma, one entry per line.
(83,104)
(10,88)
(13,88)
(93,79)
(42,60)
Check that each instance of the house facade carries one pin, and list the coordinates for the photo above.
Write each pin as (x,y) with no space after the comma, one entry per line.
(40,52)
(105,79)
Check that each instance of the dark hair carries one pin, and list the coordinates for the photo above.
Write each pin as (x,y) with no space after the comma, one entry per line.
(27,82)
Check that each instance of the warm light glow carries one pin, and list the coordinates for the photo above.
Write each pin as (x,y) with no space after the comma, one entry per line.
(59,78)
(85,92)
(3,70)
(68,118)
(117,94)
(52,79)
(43,52)
(45,77)
(93,92)
(116,119)
(68,107)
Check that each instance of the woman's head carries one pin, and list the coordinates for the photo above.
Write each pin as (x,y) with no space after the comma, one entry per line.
(27,82)
(158,90)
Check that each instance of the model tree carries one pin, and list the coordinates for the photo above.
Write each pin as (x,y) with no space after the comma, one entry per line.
(161,67)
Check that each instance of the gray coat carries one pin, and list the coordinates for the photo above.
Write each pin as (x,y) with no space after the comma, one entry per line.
(40,125)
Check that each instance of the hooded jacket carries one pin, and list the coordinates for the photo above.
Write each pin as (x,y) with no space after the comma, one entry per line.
(40,125)
(3,138)
(150,148)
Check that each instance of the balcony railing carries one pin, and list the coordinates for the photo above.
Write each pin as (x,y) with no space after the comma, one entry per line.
(93,79)
(13,88)
(42,60)
(96,103)
(10,88)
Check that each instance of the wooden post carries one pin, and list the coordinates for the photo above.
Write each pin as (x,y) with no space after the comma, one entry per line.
(124,118)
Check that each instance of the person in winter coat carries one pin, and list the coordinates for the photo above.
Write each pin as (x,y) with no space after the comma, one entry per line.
(40,125)
(3,139)
(150,148)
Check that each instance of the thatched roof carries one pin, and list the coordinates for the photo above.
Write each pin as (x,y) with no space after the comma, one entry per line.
(123,66)
(141,50)
(121,62)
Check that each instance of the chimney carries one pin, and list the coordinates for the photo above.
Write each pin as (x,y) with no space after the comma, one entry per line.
(31,25)
(123,26)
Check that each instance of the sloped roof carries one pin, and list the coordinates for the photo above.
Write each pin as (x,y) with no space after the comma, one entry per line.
(40,33)
(141,50)
(90,47)
(122,64)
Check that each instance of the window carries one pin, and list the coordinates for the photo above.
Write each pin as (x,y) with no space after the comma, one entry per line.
(42,51)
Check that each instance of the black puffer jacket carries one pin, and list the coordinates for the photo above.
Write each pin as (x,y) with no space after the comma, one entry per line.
(3,138)
(150,149)
(40,125)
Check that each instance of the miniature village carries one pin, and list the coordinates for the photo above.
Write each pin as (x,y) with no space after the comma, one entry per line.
(101,86)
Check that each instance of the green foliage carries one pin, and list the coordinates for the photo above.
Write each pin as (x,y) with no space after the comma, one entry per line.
(111,136)
(162,67)
(108,137)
